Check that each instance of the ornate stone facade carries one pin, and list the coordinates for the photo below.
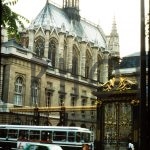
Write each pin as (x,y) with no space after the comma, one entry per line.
(60,61)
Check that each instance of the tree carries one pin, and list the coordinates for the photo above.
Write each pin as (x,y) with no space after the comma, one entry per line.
(11,20)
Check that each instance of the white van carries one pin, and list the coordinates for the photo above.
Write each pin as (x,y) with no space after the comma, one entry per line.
(37,146)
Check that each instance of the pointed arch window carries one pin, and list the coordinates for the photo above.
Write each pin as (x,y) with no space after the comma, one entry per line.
(35,93)
(75,60)
(39,47)
(52,52)
(87,64)
(75,66)
(18,96)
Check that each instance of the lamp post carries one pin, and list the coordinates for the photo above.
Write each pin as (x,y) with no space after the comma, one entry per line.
(143,120)
(98,143)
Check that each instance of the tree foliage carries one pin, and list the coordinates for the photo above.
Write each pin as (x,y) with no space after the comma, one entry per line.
(11,20)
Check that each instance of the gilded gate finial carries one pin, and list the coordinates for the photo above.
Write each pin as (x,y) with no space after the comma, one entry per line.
(118,84)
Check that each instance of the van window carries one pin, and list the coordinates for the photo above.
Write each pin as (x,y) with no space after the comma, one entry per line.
(71,136)
(46,136)
(13,133)
(3,133)
(59,136)
(78,137)
(34,135)
(23,135)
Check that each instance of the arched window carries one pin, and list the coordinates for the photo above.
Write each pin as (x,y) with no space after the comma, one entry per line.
(52,52)
(39,47)
(35,93)
(87,64)
(75,60)
(75,65)
(18,95)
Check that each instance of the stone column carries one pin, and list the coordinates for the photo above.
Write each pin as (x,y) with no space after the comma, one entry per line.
(83,58)
(61,48)
(94,63)
(104,70)
(46,44)
(69,52)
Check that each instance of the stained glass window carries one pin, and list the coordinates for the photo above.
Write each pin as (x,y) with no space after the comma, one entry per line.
(52,52)
(39,47)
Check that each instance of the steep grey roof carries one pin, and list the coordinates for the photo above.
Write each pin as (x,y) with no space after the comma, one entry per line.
(52,16)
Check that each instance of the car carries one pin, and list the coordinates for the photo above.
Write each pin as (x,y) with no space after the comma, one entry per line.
(37,146)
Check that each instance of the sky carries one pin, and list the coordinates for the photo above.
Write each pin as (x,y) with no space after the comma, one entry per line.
(100,12)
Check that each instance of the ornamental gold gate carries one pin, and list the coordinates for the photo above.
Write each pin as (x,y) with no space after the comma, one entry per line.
(117,114)
(117,125)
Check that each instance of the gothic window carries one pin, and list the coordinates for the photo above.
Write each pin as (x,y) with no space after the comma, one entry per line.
(87,64)
(35,93)
(39,47)
(18,97)
(52,52)
(75,67)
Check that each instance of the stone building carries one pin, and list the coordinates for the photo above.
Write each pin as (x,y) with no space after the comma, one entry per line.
(59,62)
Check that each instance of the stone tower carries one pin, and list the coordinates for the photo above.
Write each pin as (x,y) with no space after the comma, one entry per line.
(113,48)
(113,40)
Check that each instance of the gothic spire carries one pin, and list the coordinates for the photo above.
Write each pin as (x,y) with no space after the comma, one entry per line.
(113,41)
(114,28)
